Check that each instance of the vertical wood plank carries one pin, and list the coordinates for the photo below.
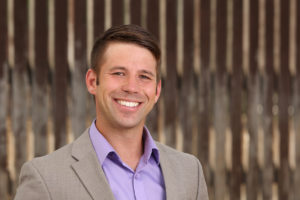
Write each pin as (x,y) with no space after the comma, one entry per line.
(153,27)
(3,100)
(170,85)
(20,82)
(40,82)
(297,105)
(98,29)
(253,102)
(117,9)
(220,103)
(79,94)
(61,72)
(236,100)
(284,96)
(3,38)
(98,17)
(187,91)
(4,174)
(268,89)
(153,17)
(136,12)
(203,93)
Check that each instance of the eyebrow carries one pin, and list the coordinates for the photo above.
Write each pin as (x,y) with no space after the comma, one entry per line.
(148,72)
(117,68)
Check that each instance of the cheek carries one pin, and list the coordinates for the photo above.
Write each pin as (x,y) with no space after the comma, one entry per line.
(151,92)
(109,82)
(106,88)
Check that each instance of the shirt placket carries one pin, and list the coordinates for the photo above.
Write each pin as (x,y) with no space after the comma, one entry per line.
(138,186)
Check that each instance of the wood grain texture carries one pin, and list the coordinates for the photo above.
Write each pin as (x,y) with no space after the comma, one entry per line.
(203,90)
(20,85)
(221,100)
(153,17)
(170,84)
(236,88)
(136,12)
(4,180)
(98,27)
(297,105)
(284,92)
(267,102)
(61,73)
(187,96)
(3,33)
(79,91)
(253,103)
(117,10)
(3,86)
(40,96)
(98,18)
(153,27)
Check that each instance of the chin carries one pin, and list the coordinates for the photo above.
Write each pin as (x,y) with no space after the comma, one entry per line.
(129,124)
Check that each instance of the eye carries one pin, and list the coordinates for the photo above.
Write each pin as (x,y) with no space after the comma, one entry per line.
(145,77)
(118,73)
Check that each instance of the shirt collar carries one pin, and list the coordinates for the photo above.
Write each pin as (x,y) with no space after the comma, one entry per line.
(150,148)
(101,145)
(104,149)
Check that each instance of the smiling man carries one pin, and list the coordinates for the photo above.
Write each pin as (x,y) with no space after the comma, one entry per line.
(116,157)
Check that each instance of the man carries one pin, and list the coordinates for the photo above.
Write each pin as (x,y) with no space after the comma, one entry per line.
(116,158)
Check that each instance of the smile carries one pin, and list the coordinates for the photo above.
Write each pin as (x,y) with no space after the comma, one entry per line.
(128,103)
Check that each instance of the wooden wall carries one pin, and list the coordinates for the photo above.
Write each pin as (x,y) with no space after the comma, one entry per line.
(231,85)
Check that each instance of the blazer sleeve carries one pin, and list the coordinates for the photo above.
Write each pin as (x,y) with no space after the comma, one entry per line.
(31,184)
(202,188)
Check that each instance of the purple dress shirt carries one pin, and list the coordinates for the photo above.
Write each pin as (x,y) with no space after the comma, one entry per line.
(145,183)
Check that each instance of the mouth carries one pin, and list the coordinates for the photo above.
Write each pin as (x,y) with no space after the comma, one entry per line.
(129,104)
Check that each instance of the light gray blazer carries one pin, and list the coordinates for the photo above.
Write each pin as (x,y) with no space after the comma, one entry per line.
(74,173)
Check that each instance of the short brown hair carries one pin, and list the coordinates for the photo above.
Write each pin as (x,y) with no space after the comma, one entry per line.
(128,34)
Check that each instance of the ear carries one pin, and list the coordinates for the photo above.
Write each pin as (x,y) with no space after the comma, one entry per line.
(158,90)
(91,81)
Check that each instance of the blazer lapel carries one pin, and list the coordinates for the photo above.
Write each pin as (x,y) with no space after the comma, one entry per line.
(169,174)
(88,169)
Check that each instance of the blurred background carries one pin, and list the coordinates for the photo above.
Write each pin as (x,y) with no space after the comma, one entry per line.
(231,85)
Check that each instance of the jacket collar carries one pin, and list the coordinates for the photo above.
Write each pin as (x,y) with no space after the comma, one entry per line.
(169,173)
(88,169)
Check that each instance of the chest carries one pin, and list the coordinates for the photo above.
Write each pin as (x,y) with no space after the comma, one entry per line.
(145,183)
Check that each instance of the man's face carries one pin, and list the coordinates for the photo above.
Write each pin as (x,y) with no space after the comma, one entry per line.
(127,89)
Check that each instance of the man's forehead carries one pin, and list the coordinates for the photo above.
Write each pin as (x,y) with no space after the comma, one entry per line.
(124,50)
(124,44)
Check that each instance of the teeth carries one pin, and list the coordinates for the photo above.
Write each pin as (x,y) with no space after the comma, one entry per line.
(128,103)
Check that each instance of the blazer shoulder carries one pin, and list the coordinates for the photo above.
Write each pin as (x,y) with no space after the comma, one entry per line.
(182,160)
(182,170)
(31,184)
(171,152)
(34,175)
(61,155)
(64,155)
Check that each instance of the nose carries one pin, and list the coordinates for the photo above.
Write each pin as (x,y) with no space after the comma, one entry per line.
(131,85)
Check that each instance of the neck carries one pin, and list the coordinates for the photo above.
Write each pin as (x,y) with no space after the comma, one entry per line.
(128,143)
